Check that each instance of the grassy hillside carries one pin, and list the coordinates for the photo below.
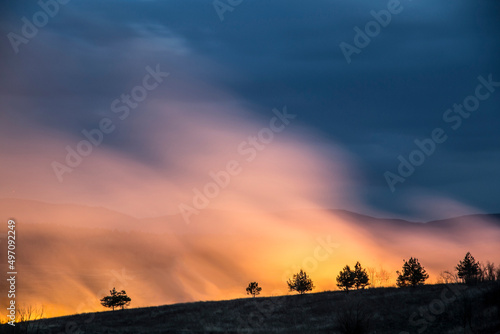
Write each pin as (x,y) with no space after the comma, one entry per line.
(450,308)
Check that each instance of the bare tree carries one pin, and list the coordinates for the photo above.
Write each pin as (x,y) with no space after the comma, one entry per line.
(27,317)
(448,277)
(490,273)
(383,277)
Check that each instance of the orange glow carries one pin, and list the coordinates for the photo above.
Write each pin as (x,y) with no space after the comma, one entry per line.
(125,229)
(68,269)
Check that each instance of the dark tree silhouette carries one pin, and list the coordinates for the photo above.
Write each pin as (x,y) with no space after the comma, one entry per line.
(253,289)
(413,274)
(360,276)
(300,282)
(468,269)
(345,279)
(116,299)
(123,299)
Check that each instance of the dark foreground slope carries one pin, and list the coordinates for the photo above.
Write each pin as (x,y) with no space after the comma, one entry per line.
(426,309)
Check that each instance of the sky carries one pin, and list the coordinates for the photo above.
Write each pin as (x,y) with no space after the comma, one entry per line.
(227,125)
(372,103)
(231,65)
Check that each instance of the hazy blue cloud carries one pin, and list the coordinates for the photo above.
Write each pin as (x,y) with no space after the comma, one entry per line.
(280,53)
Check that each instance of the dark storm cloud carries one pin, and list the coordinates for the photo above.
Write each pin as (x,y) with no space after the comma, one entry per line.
(283,52)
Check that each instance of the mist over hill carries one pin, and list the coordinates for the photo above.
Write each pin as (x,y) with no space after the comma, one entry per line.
(72,255)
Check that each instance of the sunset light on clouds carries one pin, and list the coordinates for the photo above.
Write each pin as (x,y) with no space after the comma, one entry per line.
(179,151)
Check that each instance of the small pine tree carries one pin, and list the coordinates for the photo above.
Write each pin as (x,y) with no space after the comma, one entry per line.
(123,299)
(253,289)
(361,279)
(300,282)
(345,279)
(468,269)
(110,301)
(413,274)
(116,299)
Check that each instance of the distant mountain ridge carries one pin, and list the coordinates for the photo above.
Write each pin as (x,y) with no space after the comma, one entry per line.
(32,211)
(75,253)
